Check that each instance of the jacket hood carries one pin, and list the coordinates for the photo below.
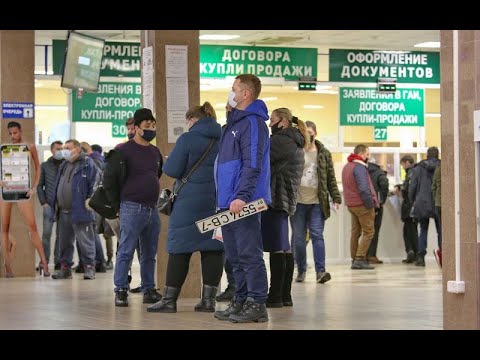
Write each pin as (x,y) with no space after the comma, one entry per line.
(95,155)
(429,164)
(257,108)
(293,133)
(373,167)
(208,127)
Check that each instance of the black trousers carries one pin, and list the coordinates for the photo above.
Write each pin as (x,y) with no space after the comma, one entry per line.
(410,235)
(178,265)
(372,249)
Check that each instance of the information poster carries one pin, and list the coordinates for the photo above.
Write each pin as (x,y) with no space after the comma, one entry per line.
(15,168)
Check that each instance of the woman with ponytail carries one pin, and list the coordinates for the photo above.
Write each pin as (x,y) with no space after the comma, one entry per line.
(289,137)
(194,202)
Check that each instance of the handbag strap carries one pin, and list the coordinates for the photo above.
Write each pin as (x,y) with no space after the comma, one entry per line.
(195,166)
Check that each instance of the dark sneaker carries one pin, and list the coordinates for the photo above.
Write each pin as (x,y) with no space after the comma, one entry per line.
(233,308)
(361,265)
(227,295)
(63,273)
(438,256)
(109,265)
(136,290)
(251,312)
(151,296)
(410,258)
(101,268)
(89,272)
(420,261)
(78,269)
(323,277)
(121,298)
(301,277)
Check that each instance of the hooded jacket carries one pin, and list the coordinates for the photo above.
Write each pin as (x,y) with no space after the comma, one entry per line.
(242,168)
(420,189)
(287,160)
(196,199)
(380,181)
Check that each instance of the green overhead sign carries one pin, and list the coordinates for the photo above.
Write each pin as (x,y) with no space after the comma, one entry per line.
(367,107)
(114,102)
(368,65)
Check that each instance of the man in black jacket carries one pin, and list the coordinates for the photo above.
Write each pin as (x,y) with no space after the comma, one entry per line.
(410,232)
(46,193)
(380,183)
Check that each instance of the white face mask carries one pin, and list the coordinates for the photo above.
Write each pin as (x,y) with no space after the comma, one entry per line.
(231,99)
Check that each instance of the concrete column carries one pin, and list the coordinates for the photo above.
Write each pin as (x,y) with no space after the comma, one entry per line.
(460,311)
(158,39)
(17,61)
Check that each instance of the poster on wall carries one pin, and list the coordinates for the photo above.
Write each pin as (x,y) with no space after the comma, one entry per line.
(15,171)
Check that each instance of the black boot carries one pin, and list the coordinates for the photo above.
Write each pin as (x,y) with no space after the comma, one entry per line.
(168,304)
(227,295)
(287,281)
(277,276)
(207,304)
(420,260)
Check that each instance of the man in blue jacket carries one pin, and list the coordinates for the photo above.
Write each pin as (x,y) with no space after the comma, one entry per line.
(242,174)
(74,185)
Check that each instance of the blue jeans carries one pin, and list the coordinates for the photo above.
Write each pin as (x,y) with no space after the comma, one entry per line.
(84,235)
(311,216)
(137,223)
(423,237)
(47,236)
(244,250)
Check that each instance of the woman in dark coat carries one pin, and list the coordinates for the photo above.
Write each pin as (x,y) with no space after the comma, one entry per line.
(287,158)
(195,201)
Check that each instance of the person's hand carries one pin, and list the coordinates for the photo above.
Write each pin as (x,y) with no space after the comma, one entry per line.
(336,206)
(45,205)
(236,206)
(87,205)
(30,192)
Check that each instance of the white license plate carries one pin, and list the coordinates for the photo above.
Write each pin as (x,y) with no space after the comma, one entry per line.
(227,217)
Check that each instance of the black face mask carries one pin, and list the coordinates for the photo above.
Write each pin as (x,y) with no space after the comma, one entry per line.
(131,136)
(149,135)
(275,129)
(312,139)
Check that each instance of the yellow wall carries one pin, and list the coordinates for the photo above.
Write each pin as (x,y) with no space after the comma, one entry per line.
(54,115)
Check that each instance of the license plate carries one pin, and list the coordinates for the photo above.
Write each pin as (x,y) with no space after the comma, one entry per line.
(227,217)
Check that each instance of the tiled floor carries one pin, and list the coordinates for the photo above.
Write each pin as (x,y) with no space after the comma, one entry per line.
(393,296)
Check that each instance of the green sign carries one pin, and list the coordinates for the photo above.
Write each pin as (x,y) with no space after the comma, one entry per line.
(367,107)
(290,63)
(119,58)
(380,134)
(113,102)
(368,65)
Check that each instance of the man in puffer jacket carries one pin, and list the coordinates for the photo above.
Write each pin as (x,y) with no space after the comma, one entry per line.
(420,195)
(361,200)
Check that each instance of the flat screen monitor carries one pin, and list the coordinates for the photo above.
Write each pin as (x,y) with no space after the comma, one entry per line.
(83,61)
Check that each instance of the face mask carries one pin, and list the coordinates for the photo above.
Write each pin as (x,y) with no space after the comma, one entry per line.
(67,154)
(58,155)
(231,99)
(131,136)
(312,139)
(366,160)
(149,135)
(275,128)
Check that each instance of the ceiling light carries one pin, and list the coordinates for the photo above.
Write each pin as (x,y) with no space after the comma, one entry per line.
(271,98)
(218,37)
(433,115)
(428,44)
(312,106)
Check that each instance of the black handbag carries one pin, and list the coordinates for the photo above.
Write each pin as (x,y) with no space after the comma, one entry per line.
(100,204)
(167,196)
